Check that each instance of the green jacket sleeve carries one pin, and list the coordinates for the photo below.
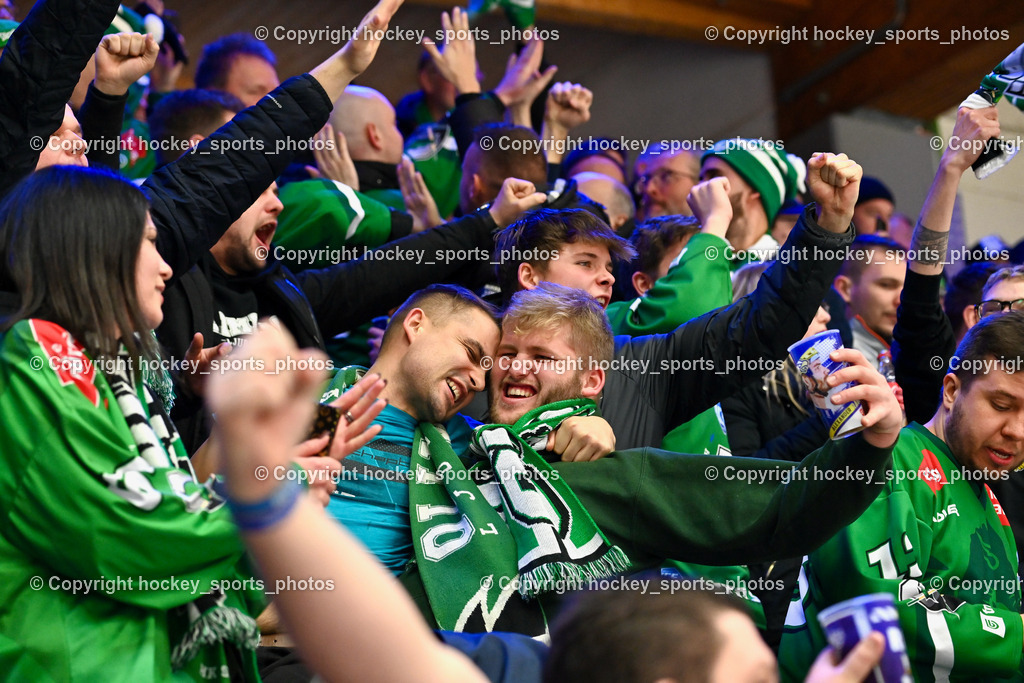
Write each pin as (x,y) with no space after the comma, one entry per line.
(713,510)
(76,496)
(697,283)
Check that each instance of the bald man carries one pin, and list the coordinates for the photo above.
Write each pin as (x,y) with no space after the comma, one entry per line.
(374,142)
(367,119)
(612,195)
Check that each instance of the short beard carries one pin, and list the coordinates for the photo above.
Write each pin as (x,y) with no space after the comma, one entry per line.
(953,431)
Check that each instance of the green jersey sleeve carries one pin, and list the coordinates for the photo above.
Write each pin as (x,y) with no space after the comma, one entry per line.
(321,217)
(697,283)
(76,495)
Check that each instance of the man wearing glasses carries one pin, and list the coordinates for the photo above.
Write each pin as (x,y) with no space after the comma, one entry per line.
(666,181)
(1003,292)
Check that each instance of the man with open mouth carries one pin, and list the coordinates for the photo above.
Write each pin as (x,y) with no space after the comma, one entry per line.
(937,537)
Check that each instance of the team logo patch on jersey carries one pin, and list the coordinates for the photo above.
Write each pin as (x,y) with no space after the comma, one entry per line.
(66,358)
(998,508)
(993,624)
(930,471)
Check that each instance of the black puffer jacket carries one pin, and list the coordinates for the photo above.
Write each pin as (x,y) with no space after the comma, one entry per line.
(39,70)
(763,426)
(644,403)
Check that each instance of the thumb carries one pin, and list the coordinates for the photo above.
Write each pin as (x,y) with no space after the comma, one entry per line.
(195,346)
(152,47)
(535,199)
(864,657)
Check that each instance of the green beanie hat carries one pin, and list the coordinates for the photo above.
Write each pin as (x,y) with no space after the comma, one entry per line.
(766,167)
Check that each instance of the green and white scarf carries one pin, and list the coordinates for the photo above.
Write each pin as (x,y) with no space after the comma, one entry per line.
(1006,80)
(158,443)
(493,539)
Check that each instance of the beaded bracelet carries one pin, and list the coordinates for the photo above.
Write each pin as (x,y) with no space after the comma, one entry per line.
(269,511)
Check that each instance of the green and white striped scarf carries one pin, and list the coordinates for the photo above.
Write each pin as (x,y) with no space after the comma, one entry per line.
(492,540)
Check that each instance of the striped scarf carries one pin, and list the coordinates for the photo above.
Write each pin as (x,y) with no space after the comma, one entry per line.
(157,441)
(492,540)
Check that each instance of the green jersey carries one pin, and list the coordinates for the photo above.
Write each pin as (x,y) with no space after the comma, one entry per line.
(435,154)
(101,553)
(937,539)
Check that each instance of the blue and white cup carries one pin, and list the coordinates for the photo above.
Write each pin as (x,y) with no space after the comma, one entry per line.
(813,364)
(848,622)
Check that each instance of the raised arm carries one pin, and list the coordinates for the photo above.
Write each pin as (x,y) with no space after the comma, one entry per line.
(39,69)
(722,351)
(923,340)
(928,245)
(715,510)
(197,197)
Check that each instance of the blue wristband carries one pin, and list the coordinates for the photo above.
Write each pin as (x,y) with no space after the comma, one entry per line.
(269,511)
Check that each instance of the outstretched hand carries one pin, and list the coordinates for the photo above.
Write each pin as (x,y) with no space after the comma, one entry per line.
(264,403)
(458,61)
(339,70)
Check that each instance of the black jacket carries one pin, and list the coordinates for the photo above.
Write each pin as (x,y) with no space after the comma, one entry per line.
(39,70)
(318,304)
(194,199)
(922,333)
(644,397)
(643,404)
(760,426)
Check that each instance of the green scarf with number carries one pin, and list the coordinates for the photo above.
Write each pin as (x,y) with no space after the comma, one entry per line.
(491,540)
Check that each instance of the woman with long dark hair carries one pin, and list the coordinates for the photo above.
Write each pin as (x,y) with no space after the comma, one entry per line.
(117,564)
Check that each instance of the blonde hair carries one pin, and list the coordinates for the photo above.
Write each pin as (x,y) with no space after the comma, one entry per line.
(549,306)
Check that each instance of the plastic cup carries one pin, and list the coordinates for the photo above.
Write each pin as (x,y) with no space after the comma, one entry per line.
(813,365)
(848,622)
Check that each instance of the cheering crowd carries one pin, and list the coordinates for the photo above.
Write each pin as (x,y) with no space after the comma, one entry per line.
(296,382)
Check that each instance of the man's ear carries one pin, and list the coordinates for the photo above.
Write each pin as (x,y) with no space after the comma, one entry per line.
(373,136)
(753,199)
(970,316)
(642,282)
(479,193)
(844,286)
(528,276)
(951,388)
(415,322)
(593,383)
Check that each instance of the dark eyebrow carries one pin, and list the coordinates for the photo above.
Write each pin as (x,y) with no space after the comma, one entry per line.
(999,393)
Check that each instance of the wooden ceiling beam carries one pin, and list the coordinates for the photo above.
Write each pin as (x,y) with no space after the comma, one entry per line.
(681,19)
(918,77)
